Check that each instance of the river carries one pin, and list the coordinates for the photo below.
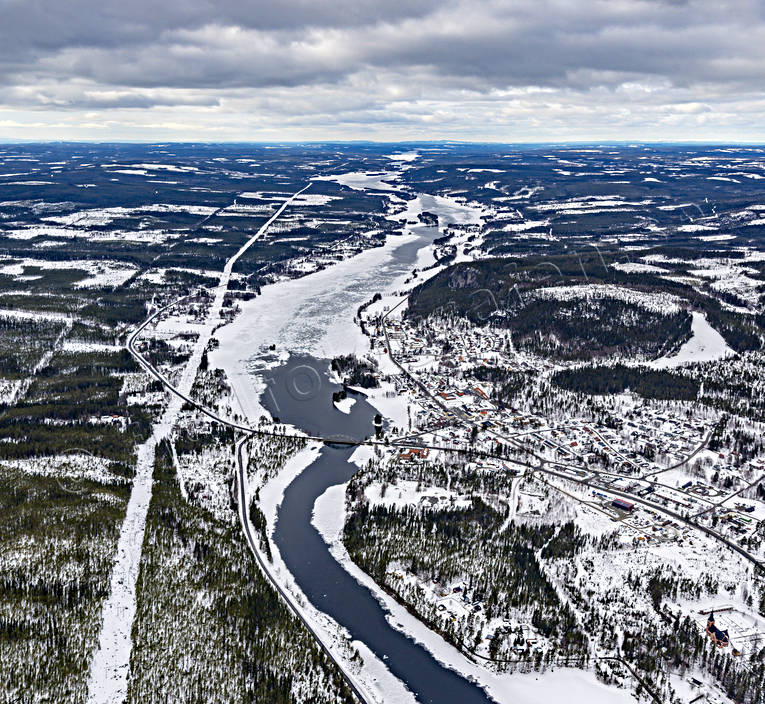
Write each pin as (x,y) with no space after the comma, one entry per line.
(276,355)
(322,579)
(307,321)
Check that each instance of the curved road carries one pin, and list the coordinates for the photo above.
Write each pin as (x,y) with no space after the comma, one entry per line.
(240,465)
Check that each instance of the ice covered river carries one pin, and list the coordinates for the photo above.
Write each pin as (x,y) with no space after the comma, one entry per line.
(309,320)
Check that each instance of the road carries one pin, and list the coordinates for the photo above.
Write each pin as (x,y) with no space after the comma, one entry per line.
(663,509)
(728,498)
(685,461)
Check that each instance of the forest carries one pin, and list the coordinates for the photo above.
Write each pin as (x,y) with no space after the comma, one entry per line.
(57,410)
(506,292)
(500,567)
(542,570)
(208,625)
(614,379)
(355,372)
(59,531)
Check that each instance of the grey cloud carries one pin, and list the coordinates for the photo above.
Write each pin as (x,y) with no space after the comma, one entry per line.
(217,45)
(41,26)
(384,62)
(67,97)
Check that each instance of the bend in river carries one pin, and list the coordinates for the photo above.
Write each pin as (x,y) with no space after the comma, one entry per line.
(311,317)
(322,579)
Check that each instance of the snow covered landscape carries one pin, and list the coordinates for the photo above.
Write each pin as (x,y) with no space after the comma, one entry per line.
(548,445)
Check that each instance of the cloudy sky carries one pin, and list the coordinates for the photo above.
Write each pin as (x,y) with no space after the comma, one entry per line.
(505,70)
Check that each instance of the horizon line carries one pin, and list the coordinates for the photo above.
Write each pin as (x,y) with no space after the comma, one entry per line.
(445,142)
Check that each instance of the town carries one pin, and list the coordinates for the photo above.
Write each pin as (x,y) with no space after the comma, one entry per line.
(642,470)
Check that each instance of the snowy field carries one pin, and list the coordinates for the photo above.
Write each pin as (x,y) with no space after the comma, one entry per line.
(366,180)
(99,273)
(705,345)
(314,314)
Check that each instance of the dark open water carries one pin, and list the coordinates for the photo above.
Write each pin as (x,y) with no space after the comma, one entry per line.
(300,393)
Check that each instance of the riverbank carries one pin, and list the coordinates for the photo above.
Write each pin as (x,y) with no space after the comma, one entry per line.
(371,676)
(315,314)
(521,688)
(292,320)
